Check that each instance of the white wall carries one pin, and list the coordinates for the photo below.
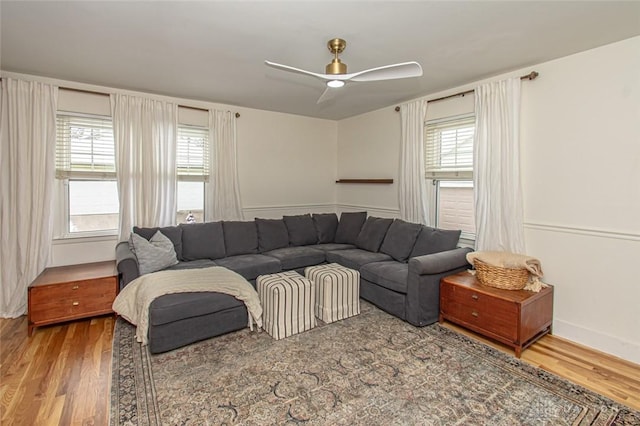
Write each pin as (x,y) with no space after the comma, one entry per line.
(580,137)
(368,149)
(286,163)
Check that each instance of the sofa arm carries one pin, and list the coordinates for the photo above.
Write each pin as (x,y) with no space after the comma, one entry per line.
(422,304)
(127,263)
(438,263)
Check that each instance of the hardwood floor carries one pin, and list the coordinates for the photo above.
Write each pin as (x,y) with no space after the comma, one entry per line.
(59,376)
(62,374)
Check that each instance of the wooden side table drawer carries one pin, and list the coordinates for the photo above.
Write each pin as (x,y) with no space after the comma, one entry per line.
(73,299)
(72,292)
(496,316)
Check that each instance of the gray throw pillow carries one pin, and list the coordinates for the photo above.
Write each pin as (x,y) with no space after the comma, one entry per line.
(272,234)
(372,233)
(153,255)
(434,240)
(326,225)
(301,230)
(240,237)
(202,241)
(349,227)
(174,233)
(400,239)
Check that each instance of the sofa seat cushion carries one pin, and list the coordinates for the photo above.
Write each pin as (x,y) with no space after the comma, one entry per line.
(332,246)
(390,274)
(173,307)
(355,258)
(251,265)
(297,257)
(194,264)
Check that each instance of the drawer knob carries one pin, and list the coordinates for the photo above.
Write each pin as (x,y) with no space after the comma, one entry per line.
(474,314)
(474,296)
(75,287)
(75,303)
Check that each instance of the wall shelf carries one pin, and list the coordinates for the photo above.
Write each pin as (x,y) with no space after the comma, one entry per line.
(365,181)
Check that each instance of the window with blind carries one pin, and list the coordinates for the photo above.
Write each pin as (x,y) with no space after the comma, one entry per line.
(192,162)
(449,167)
(85,164)
(449,148)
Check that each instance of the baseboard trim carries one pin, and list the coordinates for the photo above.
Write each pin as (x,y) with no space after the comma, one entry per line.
(591,232)
(612,345)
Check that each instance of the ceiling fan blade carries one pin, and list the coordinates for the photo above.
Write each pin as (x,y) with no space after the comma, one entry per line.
(388,72)
(296,70)
(328,94)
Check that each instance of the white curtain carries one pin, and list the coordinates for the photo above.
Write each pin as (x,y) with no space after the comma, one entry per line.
(145,136)
(413,191)
(27,163)
(222,192)
(496,175)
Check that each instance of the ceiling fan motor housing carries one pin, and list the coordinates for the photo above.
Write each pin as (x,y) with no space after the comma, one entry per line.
(336,46)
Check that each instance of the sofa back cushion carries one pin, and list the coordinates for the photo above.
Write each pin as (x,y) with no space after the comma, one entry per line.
(400,239)
(326,225)
(240,237)
(349,227)
(202,241)
(174,233)
(372,233)
(301,230)
(272,234)
(433,240)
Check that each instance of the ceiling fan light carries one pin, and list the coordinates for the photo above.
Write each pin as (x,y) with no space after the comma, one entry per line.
(335,83)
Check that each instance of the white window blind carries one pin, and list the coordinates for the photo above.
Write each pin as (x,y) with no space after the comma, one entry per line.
(84,147)
(449,148)
(193,153)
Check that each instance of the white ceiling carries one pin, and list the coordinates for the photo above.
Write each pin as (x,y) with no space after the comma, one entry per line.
(215,51)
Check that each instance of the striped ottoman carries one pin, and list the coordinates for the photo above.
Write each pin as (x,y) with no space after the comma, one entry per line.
(337,291)
(287,300)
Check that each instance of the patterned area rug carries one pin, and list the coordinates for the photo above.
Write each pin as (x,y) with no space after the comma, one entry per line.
(372,369)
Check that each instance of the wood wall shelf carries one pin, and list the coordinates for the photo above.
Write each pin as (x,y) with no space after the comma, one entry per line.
(364,181)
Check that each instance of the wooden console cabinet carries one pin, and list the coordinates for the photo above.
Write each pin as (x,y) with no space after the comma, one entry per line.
(66,293)
(516,318)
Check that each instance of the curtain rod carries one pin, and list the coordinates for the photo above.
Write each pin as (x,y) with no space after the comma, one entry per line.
(531,76)
(93,92)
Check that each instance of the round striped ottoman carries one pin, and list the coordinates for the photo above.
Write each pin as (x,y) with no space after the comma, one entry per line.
(287,300)
(337,291)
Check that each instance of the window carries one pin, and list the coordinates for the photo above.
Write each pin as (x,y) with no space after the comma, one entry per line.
(85,164)
(449,165)
(192,163)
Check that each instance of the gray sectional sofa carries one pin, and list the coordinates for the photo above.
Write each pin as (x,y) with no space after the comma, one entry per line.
(400,265)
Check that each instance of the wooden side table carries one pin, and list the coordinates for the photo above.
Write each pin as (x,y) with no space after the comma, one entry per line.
(516,318)
(67,293)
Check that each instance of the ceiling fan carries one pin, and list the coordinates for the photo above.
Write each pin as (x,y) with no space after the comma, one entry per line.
(336,72)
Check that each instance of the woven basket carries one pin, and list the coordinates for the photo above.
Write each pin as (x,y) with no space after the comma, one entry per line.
(496,276)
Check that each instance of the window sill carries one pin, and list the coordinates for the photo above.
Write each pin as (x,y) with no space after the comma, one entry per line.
(80,239)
